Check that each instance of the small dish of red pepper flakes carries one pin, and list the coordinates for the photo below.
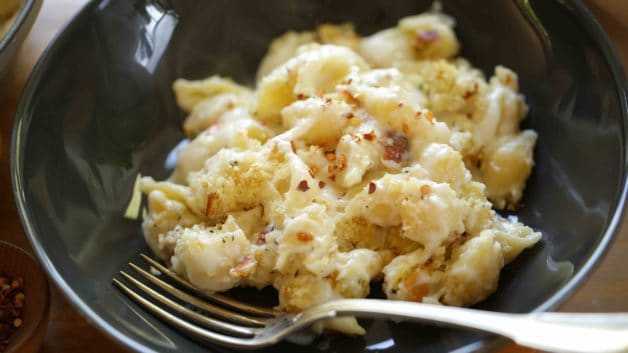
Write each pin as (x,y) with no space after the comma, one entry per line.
(11,306)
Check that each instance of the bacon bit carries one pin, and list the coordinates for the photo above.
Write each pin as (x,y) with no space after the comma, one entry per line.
(303,186)
(416,290)
(395,146)
(430,117)
(400,104)
(355,121)
(351,99)
(321,184)
(471,93)
(332,177)
(328,101)
(426,37)
(244,267)
(210,207)
(425,190)
(304,236)
(230,105)
(372,187)
(369,136)
(294,148)
(347,115)
(405,128)
(300,96)
(331,156)
(418,115)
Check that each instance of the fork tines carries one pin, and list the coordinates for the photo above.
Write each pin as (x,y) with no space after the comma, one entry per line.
(208,311)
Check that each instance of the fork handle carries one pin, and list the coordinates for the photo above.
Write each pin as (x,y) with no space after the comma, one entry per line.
(555,332)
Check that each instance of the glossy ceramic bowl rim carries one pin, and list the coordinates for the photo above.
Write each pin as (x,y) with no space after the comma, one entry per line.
(20,19)
(23,118)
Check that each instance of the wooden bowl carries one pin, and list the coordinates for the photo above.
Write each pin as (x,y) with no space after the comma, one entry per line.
(18,263)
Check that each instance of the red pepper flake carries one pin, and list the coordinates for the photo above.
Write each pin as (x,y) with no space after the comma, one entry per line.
(321,184)
(262,236)
(328,101)
(303,186)
(395,146)
(426,37)
(405,128)
(347,115)
(300,96)
(472,92)
(244,267)
(305,236)
(425,190)
(351,99)
(331,156)
(210,207)
(369,136)
(372,187)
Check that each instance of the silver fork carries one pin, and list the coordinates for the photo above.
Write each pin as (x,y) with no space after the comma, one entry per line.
(231,323)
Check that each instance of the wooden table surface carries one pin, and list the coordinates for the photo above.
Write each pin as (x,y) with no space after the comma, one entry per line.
(68,332)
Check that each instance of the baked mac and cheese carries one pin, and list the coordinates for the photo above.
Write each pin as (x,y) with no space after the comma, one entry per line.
(355,159)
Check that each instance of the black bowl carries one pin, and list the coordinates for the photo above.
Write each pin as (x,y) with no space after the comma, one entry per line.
(18,31)
(98,109)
